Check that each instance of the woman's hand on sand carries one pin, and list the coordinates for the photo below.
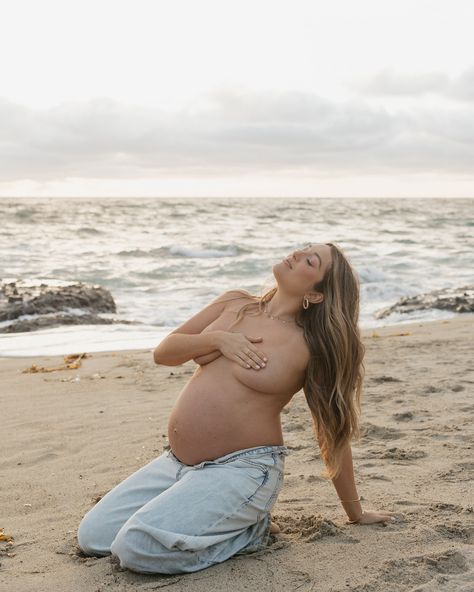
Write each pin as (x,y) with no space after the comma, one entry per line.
(373,516)
(240,348)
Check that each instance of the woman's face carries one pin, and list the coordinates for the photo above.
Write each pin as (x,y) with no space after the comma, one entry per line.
(301,269)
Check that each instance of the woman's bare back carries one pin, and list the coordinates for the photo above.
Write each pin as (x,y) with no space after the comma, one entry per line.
(225,407)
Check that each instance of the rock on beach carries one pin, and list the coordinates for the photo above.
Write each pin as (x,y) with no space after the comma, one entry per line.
(53,304)
(452,299)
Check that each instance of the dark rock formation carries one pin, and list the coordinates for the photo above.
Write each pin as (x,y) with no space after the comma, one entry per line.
(453,299)
(50,305)
(49,321)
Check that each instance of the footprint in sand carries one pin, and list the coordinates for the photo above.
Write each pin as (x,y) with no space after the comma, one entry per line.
(297,447)
(294,426)
(432,389)
(309,528)
(457,532)
(403,502)
(314,479)
(396,453)
(377,476)
(467,466)
(446,507)
(72,549)
(381,379)
(40,458)
(292,500)
(463,471)
(370,431)
(448,570)
(403,416)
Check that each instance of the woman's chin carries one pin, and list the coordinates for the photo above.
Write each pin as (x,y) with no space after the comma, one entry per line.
(280,266)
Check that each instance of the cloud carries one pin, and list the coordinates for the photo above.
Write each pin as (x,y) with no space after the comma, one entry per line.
(389,83)
(227,132)
(462,88)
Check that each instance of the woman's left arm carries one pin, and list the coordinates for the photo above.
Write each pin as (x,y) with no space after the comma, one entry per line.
(347,492)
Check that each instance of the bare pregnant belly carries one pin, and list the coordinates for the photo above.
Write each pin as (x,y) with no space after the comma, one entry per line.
(216,415)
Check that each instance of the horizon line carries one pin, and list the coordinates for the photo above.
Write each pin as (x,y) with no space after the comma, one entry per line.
(233,197)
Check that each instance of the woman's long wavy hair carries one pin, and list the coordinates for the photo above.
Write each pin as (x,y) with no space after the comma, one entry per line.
(335,373)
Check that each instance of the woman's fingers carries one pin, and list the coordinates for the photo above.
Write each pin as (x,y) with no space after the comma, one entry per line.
(391,517)
(255,357)
(239,347)
(254,361)
(249,361)
(256,354)
(246,361)
(242,361)
(373,516)
(384,516)
(251,357)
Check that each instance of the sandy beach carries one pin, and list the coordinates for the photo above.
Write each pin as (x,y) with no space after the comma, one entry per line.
(71,435)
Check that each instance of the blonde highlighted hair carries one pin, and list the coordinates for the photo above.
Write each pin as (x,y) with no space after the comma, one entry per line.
(335,373)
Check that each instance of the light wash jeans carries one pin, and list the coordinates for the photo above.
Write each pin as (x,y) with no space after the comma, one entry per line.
(169,517)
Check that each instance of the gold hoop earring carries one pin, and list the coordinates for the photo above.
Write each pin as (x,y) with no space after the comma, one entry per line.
(305,303)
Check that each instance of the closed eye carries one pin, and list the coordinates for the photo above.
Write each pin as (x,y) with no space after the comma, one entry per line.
(309,262)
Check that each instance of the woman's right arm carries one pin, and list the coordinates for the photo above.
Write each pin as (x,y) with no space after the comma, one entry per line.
(178,348)
(187,342)
(207,358)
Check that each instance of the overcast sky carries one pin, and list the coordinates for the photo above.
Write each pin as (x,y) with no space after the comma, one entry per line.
(237,98)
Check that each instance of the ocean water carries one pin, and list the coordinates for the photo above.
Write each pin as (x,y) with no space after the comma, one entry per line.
(164,259)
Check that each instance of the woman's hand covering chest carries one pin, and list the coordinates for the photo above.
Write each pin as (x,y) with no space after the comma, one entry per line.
(283,344)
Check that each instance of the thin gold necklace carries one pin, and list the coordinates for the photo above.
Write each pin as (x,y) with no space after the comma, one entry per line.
(265,310)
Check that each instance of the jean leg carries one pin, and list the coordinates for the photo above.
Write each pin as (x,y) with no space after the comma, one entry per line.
(214,511)
(101,523)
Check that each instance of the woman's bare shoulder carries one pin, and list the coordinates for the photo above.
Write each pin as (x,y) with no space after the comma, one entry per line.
(235,299)
(242,293)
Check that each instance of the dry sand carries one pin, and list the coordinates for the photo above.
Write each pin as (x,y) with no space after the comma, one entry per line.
(70,436)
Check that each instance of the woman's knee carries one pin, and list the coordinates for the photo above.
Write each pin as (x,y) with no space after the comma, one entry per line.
(89,536)
(141,552)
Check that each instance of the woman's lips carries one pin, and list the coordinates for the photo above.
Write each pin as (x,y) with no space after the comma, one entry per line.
(288,263)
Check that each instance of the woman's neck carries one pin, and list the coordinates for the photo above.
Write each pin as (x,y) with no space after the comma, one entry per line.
(284,308)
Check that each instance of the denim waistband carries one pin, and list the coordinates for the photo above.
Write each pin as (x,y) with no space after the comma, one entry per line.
(244,452)
(253,451)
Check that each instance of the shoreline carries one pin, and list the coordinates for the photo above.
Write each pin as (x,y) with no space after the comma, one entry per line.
(71,435)
(364,332)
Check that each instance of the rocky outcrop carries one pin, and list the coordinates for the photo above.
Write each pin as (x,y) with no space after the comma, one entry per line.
(50,305)
(453,299)
(48,321)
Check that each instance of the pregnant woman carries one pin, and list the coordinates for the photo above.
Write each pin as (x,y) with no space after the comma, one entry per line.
(209,496)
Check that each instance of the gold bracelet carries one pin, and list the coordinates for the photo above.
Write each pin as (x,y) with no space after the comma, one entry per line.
(358,519)
(357,500)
